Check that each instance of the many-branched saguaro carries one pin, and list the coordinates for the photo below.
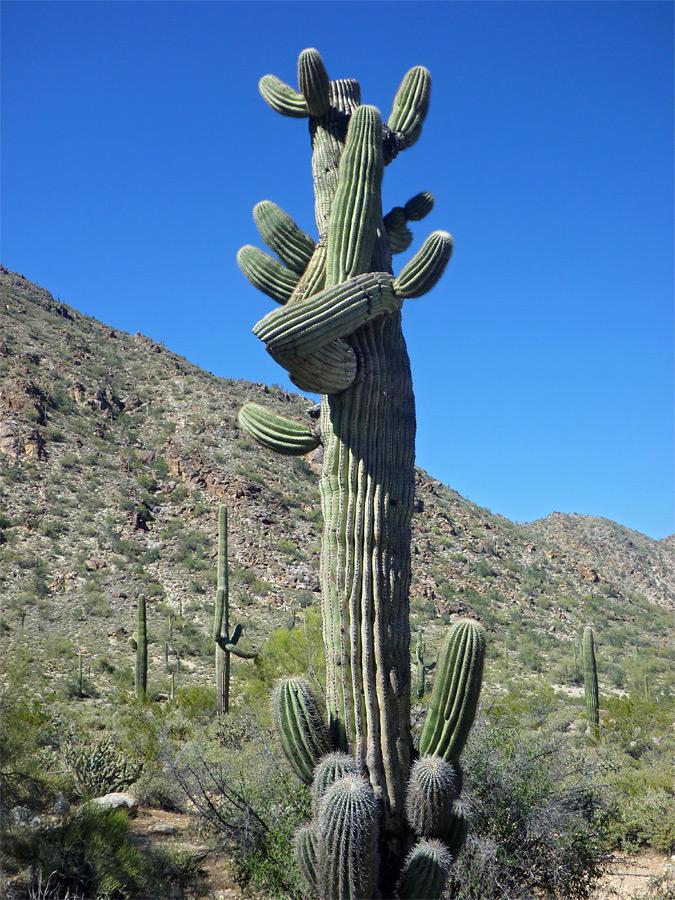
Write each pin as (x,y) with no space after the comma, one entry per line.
(338,332)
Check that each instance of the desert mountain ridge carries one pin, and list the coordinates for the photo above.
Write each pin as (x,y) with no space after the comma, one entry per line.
(115,454)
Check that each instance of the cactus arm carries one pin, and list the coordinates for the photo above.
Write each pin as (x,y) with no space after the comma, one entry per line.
(282,98)
(267,274)
(432,790)
(411,105)
(347,846)
(294,248)
(424,270)
(335,312)
(305,846)
(395,222)
(276,432)
(313,82)
(425,872)
(329,370)
(455,694)
(300,726)
(357,208)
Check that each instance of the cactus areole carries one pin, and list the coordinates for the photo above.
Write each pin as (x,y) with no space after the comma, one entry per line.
(337,332)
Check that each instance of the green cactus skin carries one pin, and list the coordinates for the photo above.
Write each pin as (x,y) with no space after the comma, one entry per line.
(590,678)
(294,248)
(411,104)
(300,726)
(456,830)
(301,328)
(80,677)
(426,872)
(419,206)
(282,98)
(454,698)
(267,274)
(347,847)
(395,222)
(284,436)
(313,82)
(432,790)
(423,271)
(226,643)
(331,768)
(305,844)
(339,333)
(141,638)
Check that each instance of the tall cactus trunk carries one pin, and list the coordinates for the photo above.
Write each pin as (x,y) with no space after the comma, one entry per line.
(591,679)
(367,487)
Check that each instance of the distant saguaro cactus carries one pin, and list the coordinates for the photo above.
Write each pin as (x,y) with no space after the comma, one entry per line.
(226,644)
(140,640)
(338,332)
(590,678)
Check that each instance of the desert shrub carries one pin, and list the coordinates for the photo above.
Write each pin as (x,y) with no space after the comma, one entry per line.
(647,819)
(538,817)
(248,800)
(101,766)
(92,855)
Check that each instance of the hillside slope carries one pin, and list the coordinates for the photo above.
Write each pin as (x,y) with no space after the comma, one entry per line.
(114,456)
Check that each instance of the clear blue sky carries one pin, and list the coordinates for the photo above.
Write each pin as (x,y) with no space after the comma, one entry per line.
(135,145)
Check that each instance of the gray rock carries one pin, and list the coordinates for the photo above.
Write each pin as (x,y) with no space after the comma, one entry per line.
(117,800)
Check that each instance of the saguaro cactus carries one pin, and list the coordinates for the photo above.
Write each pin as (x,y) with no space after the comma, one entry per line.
(226,644)
(140,644)
(590,678)
(338,332)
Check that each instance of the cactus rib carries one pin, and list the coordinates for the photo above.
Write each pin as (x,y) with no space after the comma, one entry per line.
(278,433)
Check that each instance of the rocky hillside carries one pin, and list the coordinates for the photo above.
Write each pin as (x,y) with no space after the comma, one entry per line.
(114,456)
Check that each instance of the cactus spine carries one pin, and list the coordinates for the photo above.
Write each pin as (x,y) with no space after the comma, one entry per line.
(338,333)
(226,644)
(590,678)
(141,639)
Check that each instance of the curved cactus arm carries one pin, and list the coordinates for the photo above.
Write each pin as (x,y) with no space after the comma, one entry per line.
(425,872)
(267,274)
(424,270)
(348,834)
(313,82)
(305,844)
(411,105)
(395,222)
(432,790)
(282,98)
(293,247)
(454,698)
(238,651)
(357,207)
(300,726)
(329,370)
(284,436)
(236,634)
(299,329)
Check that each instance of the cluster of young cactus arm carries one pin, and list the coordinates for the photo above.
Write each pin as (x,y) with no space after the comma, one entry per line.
(381,826)
(226,643)
(590,678)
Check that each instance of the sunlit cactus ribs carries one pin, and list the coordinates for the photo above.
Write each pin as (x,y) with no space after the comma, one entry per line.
(337,332)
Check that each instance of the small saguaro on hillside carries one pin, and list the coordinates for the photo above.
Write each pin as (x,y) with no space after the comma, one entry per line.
(384,823)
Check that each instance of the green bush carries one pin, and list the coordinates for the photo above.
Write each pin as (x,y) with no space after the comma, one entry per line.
(538,817)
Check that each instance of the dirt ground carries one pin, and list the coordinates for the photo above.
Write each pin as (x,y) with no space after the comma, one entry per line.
(627,876)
